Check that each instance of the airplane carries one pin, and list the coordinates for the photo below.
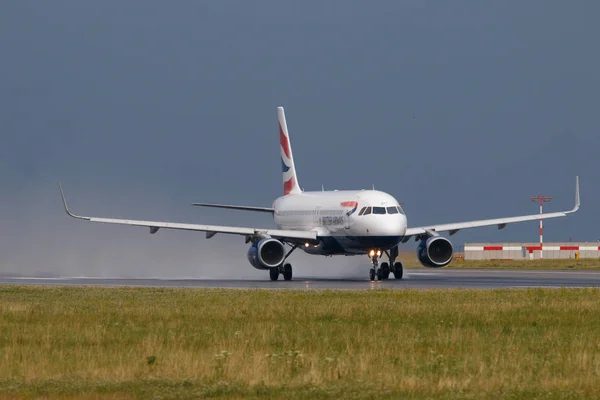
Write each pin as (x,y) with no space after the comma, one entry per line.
(327,223)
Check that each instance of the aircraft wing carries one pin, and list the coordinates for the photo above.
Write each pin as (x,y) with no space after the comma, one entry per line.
(210,230)
(500,222)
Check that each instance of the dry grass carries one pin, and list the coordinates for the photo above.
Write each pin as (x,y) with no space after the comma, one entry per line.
(410,261)
(178,343)
(558,264)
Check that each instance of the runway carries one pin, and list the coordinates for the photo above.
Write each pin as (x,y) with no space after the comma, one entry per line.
(414,279)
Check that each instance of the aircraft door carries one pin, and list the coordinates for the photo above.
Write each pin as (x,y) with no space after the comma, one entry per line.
(317,216)
(348,214)
(346,221)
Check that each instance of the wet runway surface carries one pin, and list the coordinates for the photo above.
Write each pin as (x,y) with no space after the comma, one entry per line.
(414,279)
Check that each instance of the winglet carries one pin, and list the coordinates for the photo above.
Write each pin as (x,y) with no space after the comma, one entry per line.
(69,213)
(577,201)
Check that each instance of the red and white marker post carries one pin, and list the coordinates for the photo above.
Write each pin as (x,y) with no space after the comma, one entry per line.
(541,200)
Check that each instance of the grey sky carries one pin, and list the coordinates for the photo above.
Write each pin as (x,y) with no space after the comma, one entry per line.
(462,110)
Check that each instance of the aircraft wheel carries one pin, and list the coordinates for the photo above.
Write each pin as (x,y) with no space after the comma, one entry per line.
(379,274)
(372,274)
(287,272)
(385,270)
(274,273)
(398,270)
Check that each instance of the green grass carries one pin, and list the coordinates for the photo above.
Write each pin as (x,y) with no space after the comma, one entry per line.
(409,260)
(61,342)
(558,264)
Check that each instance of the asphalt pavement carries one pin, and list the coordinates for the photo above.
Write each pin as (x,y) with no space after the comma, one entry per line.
(413,279)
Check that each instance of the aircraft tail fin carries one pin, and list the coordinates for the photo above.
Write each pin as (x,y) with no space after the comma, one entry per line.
(290,180)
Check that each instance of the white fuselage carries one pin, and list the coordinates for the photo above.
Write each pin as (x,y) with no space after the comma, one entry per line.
(337,217)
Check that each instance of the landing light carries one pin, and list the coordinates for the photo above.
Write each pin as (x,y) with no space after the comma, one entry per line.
(306,244)
(372,253)
(378,252)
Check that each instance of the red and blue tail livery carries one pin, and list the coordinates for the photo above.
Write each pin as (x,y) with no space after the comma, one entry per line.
(290,180)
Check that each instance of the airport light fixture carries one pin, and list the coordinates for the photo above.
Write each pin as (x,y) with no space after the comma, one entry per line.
(541,200)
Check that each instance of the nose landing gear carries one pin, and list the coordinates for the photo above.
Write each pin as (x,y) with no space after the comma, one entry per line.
(375,271)
(383,272)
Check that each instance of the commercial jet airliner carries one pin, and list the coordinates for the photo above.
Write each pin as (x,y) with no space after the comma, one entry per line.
(353,222)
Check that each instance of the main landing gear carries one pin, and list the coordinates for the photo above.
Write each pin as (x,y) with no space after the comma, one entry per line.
(285,268)
(382,272)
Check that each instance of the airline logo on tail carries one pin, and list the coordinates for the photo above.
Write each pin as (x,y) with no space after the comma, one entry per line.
(285,146)
(290,182)
(286,162)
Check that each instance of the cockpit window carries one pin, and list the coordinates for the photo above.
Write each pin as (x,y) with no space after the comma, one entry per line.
(378,210)
(367,211)
(392,210)
(401,210)
(362,211)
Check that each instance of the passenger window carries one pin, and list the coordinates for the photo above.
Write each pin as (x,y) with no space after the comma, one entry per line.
(379,210)
(367,211)
(362,211)
(392,210)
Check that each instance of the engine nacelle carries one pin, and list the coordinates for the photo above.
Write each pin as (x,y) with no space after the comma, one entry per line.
(435,252)
(266,253)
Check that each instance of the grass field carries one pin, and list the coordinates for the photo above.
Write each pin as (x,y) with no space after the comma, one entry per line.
(410,261)
(558,264)
(186,343)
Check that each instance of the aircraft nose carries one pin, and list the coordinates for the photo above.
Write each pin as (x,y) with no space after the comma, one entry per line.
(396,225)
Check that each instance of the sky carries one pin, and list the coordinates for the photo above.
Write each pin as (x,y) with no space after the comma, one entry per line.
(462,110)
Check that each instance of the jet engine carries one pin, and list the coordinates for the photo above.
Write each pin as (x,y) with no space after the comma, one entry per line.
(435,252)
(266,253)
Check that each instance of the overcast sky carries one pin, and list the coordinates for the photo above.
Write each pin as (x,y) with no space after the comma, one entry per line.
(462,110)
